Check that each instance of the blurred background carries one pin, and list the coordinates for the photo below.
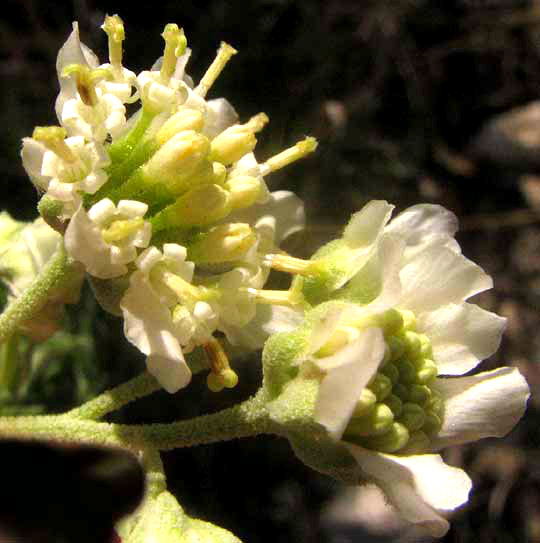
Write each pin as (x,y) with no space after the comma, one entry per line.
(411,101)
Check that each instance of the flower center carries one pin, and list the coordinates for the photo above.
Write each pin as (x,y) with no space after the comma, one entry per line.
(399,409)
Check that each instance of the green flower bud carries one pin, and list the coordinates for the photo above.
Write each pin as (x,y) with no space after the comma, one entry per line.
(418,443)
(395,404)
(391,371)
(381,386)
(407,372)
(412,416)
(419,394)
(401,391)
(392,441)
(365,403)
(432,424)
(376,421)
(428,372)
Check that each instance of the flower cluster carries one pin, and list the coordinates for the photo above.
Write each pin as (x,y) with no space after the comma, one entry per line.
(388,329)
(170,205)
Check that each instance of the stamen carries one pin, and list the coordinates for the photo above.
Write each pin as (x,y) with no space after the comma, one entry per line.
(179,286)
(292,154)
(257,122)
(86,80)
(53,138)
(224,53)
(274,297)
(290,264)
(114,28)
(175,45)
(221,375)
(121,229)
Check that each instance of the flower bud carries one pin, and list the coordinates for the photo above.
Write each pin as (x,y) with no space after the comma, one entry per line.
(236,141)
(222,243)
(245,190)
(177,159)
(376,421)
(200,206)
(185,119)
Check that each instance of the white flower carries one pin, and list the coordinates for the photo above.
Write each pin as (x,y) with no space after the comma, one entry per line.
(25,249)
(96,121)
(382,357)
(420,486)
(106,237)
(158,96)
(147,308)
(105,113)
(66,180)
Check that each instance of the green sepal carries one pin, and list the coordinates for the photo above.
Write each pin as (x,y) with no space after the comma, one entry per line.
(279,356)
(326,456)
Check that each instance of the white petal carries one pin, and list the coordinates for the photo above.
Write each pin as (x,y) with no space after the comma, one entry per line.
(462,335)
(32,158)
(279,217)
(418,486)
(421,221)
(485,405)
(219,115)
(132,209)
(438,276)
(85,244)
(169,369)
(351,368)
(148,325)
(367,224)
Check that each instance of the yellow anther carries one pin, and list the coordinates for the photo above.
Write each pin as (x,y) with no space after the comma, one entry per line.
(290,264)
(292,154)
(121,229)
(114,28)
(53,138)
(221,375)
(225,52)
(175,45)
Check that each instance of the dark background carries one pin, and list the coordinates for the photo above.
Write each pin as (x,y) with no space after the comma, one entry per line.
(397,92)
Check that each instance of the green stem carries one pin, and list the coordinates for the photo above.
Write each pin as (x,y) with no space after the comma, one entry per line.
(247,419)
(23,308)
(155,473)
(114,399)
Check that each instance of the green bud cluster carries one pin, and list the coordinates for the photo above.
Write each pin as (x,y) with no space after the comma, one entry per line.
(399,409)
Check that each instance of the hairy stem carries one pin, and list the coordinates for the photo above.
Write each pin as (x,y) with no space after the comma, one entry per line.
(114,399)
(247,419)
(52,276)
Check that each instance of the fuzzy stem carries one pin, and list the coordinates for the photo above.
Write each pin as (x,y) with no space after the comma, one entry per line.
(247,419)
(114,399)
(23,308)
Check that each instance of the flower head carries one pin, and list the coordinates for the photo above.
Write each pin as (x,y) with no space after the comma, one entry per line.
(398,323)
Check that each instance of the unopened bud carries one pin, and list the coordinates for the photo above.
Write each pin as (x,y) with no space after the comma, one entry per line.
(185,119)
(393,440)
(222,243)
(377,421)
(177,159)
(200,206)
(236,141)
(245,190)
